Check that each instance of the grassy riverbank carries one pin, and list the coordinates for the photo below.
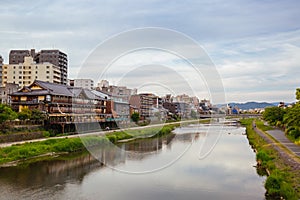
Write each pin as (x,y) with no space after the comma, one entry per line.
(50,147)
(282,180)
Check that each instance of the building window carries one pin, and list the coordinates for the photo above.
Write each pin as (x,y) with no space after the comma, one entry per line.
(47,72)
(36,67)
(29,72)
(20,67)
(47,67)
(14,67)
(14,72)
(20,72)
(47,77)
(36,77)
(36,72)
(14,77)
(20,77)
(20,82)
(29,67)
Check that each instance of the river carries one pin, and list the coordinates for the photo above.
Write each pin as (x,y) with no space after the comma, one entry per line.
(191,163)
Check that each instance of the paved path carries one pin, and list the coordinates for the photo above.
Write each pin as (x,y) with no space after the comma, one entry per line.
(280,137)
(95,133)
(287,157)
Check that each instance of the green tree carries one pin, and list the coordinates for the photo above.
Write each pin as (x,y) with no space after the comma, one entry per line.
(194,114)
(6,113)
(292,121)
(25,114)
(37,115)
(274,115)
(135,117)
(298,94)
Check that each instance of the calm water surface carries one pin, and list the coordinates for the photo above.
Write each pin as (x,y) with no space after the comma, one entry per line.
(170,167)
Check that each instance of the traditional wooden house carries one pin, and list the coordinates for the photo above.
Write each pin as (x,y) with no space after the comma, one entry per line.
(61,103)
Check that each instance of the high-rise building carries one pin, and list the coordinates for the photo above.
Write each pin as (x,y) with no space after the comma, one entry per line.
(55,57)
(83,83)
(25,73)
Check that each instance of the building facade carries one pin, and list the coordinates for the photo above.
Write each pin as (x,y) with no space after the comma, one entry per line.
(55,57)
(25,73)
(84,83)
(5,92)
(61,103)
(143,103)
(1,64)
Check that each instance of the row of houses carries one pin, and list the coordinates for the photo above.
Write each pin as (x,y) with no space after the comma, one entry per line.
(69,104)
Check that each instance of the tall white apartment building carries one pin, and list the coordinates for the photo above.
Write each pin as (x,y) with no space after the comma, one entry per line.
(25,73)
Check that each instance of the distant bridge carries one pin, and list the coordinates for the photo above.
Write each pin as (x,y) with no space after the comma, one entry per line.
(244,115)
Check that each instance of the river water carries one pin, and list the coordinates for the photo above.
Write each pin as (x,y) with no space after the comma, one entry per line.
(194,162)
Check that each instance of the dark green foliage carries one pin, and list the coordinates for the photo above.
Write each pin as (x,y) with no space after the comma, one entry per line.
(6,113)
(135,117)
(37,115)
(277,186)
(25,114)
(273,115)
(298,94)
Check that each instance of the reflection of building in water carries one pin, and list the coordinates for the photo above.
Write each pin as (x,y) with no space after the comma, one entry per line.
(147,145)
(187,137)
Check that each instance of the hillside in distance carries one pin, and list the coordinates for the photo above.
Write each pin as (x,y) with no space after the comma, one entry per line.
(251,105)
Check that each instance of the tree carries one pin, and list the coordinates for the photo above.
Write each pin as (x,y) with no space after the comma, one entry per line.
(37,115)
(194,114)
(298,94)
(135,117)
(6,113)
(25,114)
(274,115)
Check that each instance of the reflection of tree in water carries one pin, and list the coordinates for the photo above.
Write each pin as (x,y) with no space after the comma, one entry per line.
(49,173)
(54,174)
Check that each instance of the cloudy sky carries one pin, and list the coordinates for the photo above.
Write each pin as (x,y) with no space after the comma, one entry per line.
(254,44)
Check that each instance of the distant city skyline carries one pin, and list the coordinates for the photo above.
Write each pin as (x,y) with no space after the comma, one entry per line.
(255,45)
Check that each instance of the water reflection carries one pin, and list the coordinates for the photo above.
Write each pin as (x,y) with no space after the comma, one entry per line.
(226,173)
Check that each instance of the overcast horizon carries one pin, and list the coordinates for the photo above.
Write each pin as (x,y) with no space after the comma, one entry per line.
(254,45)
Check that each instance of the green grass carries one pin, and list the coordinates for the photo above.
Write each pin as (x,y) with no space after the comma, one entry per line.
(28,150)
(31,150)
(260,124)
(282,182)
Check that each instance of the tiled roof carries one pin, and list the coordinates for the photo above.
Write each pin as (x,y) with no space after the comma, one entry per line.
(59,89)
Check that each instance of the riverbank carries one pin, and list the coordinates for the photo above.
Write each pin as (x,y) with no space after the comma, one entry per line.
(283,180)
(16,154)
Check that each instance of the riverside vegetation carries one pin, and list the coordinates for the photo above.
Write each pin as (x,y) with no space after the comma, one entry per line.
(26,151)
(282,181)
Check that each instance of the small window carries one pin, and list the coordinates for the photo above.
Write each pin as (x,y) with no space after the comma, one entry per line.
(36,72)
(14,77)
(47,67)
(47,77)
(14,72)
(29,67)
(47,72)
(36,67)
(20,72)
(20,77)
(20,67)
(14,67)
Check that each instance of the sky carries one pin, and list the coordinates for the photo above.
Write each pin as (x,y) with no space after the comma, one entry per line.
(253,44)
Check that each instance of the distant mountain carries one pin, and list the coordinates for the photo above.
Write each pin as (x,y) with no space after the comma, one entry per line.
(250,105)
